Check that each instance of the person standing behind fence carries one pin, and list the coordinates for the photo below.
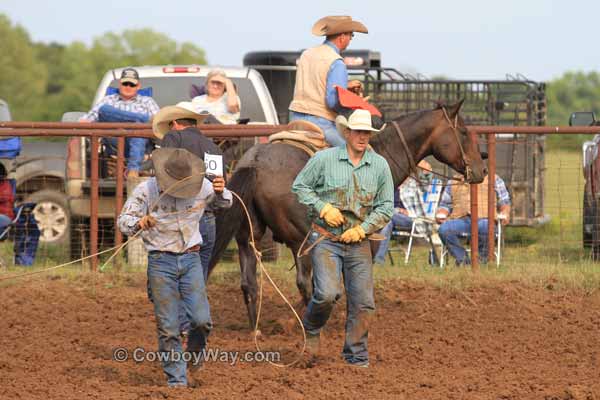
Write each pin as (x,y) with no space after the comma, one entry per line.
(125,106)
(349,190)
(454,215)
(168,208)
(319,70)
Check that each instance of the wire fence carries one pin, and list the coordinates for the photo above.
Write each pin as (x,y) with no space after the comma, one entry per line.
(550,221)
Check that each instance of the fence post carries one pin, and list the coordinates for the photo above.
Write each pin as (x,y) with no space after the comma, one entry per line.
(119,194)
(94,203)
(491,148)
(474,222)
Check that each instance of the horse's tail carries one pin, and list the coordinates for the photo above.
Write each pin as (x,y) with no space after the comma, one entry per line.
(228,221)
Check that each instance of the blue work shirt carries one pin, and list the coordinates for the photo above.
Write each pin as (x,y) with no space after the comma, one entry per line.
(337,75)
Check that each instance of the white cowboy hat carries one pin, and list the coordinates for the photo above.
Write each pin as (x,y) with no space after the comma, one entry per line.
(334,24)
(168,114)
(359,120)
(172,165)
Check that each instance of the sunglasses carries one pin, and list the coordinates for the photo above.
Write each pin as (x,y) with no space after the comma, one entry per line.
(128,84)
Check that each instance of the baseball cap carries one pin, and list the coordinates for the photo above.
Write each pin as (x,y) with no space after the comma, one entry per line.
(130,75)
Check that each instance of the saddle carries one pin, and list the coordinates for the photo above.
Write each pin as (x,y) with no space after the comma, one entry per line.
(304,135)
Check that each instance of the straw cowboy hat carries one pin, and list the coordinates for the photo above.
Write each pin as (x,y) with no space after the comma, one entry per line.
(168,114)
(171,165)
(359,120)
(333,24)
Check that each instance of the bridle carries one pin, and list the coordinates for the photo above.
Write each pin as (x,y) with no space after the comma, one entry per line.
(413,172)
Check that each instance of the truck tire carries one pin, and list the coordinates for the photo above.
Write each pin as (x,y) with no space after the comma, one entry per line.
(52,215)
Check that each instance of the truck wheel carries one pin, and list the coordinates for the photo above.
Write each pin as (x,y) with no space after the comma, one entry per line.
(52,215)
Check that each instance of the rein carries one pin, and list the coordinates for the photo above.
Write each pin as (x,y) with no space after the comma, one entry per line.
(412,166)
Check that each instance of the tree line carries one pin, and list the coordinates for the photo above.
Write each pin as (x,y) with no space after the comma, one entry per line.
(40,81)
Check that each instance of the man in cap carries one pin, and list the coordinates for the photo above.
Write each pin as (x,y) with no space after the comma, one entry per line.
(319,70)
(125,106)
(168,208)
(349,190)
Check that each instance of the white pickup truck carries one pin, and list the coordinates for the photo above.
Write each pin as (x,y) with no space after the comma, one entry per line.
(170,85)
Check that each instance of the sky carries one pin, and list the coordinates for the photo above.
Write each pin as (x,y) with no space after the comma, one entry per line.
(460,39)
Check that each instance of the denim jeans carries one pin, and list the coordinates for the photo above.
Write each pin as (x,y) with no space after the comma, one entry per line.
(400,222)
(332,262)
(175,279)
(208,232)
(135,148)
(332,136)
(451,231)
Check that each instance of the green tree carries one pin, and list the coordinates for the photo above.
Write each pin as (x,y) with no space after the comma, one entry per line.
(22,77)
(574,91)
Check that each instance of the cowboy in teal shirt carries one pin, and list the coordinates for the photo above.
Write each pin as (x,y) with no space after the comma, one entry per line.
(350,192)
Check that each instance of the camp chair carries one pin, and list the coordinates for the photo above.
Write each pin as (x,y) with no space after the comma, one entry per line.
(467,238)
(430,204)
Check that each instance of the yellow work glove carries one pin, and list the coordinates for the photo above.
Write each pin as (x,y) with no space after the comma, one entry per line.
(331,215)
(353,235)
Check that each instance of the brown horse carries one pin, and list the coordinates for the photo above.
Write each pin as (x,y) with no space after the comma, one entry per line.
(265,173)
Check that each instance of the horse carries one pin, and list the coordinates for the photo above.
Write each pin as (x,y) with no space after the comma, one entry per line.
(264,175)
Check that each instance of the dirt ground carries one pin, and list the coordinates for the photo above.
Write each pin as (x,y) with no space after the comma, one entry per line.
(504,341)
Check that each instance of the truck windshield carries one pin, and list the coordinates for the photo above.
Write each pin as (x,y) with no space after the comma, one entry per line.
(170,90)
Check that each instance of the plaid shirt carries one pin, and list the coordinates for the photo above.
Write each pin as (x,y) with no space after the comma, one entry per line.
(420,203)
(139,104)
(502,195)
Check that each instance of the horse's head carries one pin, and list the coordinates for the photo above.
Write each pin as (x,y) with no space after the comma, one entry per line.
(452,145)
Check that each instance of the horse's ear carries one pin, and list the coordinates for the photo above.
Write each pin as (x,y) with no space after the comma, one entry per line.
(453,109)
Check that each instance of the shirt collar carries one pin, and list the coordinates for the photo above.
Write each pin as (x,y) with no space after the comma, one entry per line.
(333,46)
(367,158)
(134,98)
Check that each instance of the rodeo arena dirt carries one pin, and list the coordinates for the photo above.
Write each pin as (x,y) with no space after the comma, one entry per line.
(77,323)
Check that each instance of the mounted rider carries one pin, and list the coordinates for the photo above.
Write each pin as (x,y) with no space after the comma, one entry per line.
(319,70)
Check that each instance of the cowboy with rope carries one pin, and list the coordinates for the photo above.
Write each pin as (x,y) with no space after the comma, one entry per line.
(320,70)
(349,190)
(167,209)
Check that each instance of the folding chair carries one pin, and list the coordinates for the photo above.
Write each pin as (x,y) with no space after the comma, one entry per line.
(430,204)
(467,236)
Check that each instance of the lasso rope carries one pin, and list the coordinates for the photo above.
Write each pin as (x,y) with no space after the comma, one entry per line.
(257,254)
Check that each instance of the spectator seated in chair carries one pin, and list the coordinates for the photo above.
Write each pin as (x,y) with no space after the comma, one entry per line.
(454,215)
(126,105)
(7,200)
(410,203)
(219,98)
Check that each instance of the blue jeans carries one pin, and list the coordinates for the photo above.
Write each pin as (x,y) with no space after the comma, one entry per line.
(451,231)
(332,136)
(175,279)
(400,222)
(333,261)
(208,232)
(135,148)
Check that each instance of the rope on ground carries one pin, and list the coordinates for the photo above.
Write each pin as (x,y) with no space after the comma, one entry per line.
(263,270)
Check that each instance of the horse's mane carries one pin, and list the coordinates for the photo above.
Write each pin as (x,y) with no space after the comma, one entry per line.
(418,113)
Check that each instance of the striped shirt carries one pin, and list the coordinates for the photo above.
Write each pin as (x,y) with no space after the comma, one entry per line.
(502,195)
(139,104)
(177,220)
(364,194)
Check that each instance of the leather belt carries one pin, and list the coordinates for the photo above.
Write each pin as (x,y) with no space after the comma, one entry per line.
(193,249)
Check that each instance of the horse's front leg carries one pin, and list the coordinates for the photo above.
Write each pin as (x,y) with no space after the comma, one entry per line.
(248,270)
(303,274)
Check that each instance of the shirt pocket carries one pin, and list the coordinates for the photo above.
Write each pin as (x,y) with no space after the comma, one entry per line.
(336,192)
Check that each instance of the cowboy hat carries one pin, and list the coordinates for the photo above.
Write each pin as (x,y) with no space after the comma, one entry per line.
(359,120)
(172,165)
(334,24)
(168,114)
